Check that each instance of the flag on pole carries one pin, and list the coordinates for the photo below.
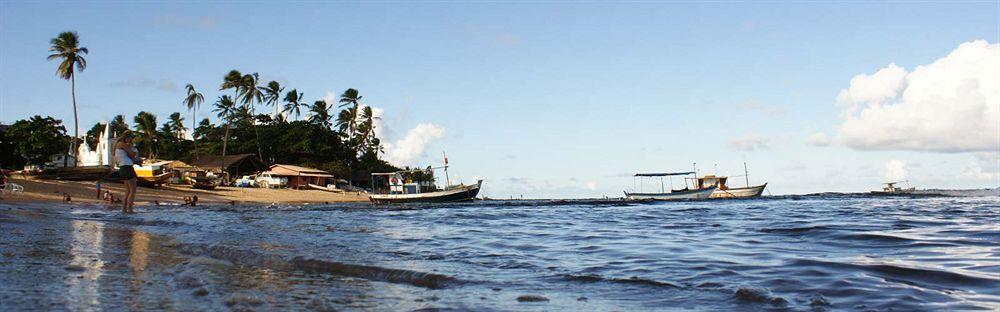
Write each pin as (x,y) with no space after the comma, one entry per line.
(445,158)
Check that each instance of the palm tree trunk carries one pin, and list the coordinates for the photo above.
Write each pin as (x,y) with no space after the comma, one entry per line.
(76,121)
(225,140)
(193,122)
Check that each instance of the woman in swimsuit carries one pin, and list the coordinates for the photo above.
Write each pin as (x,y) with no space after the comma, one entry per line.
(127,157)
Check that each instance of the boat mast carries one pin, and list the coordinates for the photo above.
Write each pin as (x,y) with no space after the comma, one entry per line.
(447,180)
(746,173)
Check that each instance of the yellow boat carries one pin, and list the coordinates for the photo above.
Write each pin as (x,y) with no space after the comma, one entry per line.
(152,174)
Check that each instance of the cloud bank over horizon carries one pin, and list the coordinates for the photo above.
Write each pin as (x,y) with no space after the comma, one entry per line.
(951,105)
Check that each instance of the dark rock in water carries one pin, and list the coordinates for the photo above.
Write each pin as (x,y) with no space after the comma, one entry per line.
(582,299)
(74,268)
(753,294)
(778,301)
(818,300)
(200,292)
(531,298)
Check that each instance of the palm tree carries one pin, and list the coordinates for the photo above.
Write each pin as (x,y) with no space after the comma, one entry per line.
(224,108)
(367,127)
(192,101)
(294,98)
(351,98)
(344,120)
(176,125)
(252,94)
(67,47)
(320,114)
(118,125)
(145,126)
(272,94)
(233,80)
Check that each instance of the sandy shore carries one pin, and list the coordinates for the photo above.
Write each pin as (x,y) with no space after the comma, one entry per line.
(37,190)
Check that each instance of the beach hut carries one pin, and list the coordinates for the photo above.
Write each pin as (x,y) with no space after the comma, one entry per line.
(232,165)
(300,177)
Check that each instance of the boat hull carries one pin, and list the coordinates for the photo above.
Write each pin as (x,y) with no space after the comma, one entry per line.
(740,192)
(465,193)
(674,195)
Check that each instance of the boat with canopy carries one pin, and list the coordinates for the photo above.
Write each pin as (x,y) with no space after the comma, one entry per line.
(663,194)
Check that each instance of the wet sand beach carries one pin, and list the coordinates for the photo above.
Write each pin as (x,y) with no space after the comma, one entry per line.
(37,190)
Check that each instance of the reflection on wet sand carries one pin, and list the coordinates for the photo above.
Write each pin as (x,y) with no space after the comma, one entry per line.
(86,266)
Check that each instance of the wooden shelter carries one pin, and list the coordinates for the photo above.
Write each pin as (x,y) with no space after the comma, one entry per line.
(233,165)
(301,177)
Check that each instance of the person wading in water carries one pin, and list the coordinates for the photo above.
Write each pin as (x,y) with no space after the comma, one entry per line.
(128,157)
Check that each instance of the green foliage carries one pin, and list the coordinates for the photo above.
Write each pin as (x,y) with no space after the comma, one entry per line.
(37,139)
(146,135)
(94,135)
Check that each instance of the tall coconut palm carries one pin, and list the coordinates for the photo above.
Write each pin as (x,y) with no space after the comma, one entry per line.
(66,46)
(351,98)
(319,113)
(272,95)
(224,108)
(252,95)
(233,80)
(193,100)
(293,99)
(147,136)
(176,125)
(367,127)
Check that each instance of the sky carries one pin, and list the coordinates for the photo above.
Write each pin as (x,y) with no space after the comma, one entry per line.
(562,99)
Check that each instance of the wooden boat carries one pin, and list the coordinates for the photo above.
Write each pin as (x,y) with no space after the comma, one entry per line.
(722,190)
(682,194)
(456,193)
(890,189)
(152,174)
(200,179)
(421,188)
(328,188)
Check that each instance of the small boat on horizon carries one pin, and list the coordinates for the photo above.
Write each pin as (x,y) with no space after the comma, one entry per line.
(890,189)
(681,194)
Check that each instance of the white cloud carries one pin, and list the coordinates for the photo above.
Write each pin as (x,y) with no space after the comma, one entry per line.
(895,170)
(986,167)
(405,151)
(950,105)
(591,185)
(818,139)
(751,141)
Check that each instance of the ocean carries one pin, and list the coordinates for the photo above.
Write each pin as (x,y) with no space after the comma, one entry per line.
(815,253)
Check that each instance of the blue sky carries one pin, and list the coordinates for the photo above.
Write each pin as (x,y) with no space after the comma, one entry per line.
(544,99)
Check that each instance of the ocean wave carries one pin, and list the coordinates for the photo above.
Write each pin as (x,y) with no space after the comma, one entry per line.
(925,276)
(375,273)
(632,280)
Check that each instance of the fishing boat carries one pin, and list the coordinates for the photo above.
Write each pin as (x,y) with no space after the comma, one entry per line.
(681,194)
(723,190)
(890,189)
(328,188)
(417,186)
(152,174)
(201,179)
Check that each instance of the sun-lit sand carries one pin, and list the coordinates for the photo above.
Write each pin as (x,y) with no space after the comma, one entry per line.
(85,192)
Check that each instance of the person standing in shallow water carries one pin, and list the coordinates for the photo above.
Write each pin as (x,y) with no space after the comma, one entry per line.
(127,156)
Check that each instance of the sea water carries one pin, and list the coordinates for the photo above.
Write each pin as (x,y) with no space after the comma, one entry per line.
(779,253)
